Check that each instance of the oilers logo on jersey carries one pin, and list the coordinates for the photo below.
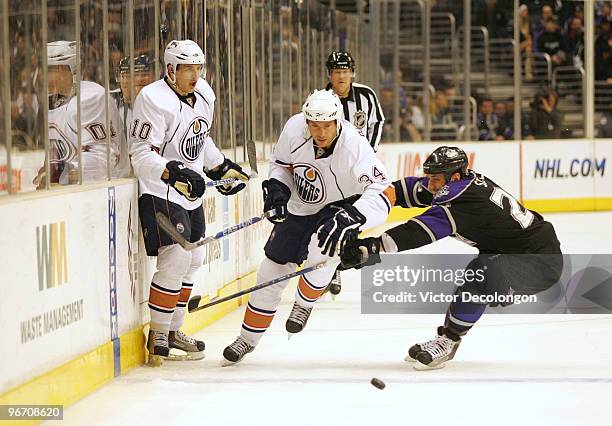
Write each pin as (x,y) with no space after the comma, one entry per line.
(193,140)
(309,183)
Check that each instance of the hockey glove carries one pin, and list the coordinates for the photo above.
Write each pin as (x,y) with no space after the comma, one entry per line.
(359,253)
(339,229)
(228,169)
(186,181)
(276,196)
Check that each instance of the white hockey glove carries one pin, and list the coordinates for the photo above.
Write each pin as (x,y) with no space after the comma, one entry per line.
(341,228)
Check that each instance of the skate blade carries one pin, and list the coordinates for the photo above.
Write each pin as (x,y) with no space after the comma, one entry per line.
(227,363)
(188,356)
(155,361)
(424,367)
(333,296)
(408,358)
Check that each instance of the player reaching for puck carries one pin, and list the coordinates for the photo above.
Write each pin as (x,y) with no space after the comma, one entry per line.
(519,250)
(318,168)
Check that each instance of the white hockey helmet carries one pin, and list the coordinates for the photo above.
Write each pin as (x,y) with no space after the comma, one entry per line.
(62,53)
(323,105)
(183,52)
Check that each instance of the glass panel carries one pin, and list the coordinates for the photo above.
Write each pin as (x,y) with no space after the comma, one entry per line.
(603,70)
(5,111)
(27,96)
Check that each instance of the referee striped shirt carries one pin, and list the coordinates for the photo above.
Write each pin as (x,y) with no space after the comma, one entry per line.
(362,109)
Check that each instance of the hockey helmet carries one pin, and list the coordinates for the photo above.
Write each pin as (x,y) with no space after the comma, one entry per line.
(323,105)
(340,60)
(446,160)
(141,63)
(183,52)
(62,53)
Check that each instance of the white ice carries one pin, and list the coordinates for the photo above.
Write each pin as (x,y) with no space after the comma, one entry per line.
(510,370)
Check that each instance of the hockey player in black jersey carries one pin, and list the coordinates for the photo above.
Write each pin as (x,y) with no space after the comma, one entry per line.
(470,207)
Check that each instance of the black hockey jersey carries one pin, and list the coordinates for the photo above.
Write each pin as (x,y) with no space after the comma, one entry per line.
(474,210)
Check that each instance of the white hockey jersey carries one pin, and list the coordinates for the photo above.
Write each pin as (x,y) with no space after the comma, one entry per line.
(166,128)
(63,140)
(352,168)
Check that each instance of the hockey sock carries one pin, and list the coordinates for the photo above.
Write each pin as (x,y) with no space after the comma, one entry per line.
(179,313)
(162,302)
(256,321)
(461,316)
(307,293)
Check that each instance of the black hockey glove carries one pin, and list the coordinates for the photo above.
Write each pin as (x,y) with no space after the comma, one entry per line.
(276,196)
(339,229)
(228,169)
(186,181)
(360,252)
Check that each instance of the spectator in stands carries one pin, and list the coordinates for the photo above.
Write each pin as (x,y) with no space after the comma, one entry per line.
(491,15)
(603,51)
(505,121)
(574,40)
(604,14)
(603,59)
(553,43)
(486,121)
(440,112)
(546,13)
(604,126)
(544,121)
(526,40)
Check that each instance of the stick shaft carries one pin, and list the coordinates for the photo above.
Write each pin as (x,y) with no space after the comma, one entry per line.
(263,285)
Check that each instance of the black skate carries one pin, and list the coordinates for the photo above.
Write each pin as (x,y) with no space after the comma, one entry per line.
(157,345)
(297,319)
(436,352)
(236,351)
(193,348)
(335,286)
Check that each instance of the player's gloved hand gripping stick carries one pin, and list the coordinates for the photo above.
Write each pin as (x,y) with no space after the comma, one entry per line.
(165,223)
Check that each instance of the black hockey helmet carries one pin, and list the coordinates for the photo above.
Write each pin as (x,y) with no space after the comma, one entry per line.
(446,160)
(340,60)
(141,63)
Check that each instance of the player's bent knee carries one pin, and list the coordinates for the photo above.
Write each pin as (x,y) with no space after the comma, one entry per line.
(172,264)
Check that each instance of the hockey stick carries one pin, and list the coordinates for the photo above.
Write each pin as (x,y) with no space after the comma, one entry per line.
(165,223)
(192,306)
(185,187)
(252,156)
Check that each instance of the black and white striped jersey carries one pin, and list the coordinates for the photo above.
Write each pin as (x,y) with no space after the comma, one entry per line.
(362,109)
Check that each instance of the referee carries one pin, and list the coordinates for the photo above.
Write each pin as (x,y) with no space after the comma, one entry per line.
(361,106)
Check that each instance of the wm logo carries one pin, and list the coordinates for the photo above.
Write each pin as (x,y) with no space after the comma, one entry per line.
(51,254)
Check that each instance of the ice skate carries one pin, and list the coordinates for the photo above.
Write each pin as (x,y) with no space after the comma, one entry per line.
(193,349)
(335,286)
(434,353)
(234,353)
(297,319)
(158,348)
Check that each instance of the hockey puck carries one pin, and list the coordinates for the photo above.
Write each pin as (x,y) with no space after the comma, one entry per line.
(377,383)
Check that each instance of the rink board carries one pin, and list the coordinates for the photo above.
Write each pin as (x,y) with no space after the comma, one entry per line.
(69,314)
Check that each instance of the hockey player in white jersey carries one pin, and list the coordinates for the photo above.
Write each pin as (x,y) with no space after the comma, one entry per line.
(171,148)
(63,124)
(326,184)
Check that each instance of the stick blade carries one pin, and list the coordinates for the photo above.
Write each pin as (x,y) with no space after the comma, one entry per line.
(252,156)
(193,303)
(168,227)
